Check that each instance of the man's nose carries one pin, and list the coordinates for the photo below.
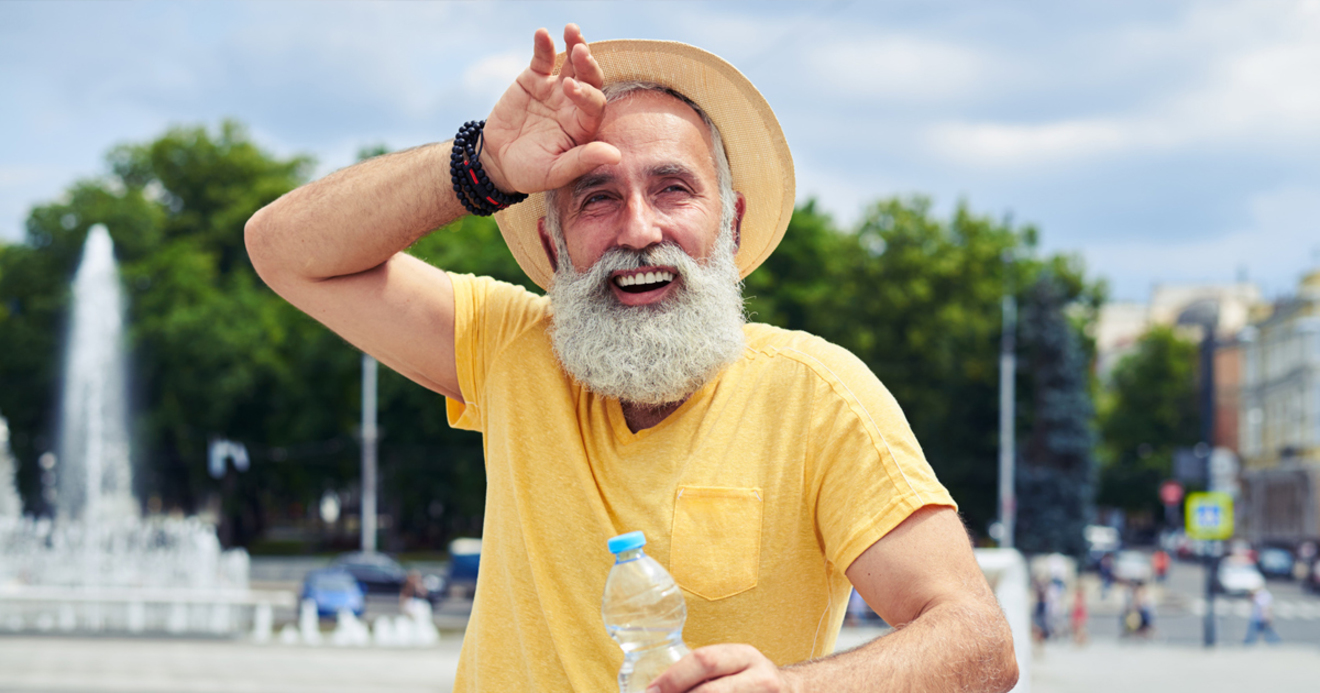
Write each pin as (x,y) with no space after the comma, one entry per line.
(640,228)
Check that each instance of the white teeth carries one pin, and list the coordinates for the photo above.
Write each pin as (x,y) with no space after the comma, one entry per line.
(645,278)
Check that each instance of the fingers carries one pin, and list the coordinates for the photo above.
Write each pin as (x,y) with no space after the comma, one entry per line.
(585,66)
(543,52)
(579,63)
(572,37)
(589,100)
(579,161)
(724,668)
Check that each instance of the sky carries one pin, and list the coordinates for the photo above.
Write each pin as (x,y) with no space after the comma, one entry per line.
(1162,142)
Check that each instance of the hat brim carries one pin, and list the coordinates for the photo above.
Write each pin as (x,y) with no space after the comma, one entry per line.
(759,159)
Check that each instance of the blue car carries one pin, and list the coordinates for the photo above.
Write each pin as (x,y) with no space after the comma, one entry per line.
(334,590)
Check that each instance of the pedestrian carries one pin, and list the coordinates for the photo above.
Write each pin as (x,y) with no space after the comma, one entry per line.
(1079,616)
(1106,574)
(1145,611)
(1041,612)
(1160,562)
(638,182)
(1138,615)
(414,597)
(1262,617)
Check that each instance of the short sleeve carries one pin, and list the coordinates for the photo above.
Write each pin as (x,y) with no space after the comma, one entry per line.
(868,473)
(488,315)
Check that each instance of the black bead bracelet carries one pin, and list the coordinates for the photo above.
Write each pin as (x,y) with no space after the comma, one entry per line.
(471,185)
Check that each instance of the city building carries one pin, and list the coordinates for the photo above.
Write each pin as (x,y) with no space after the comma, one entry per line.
(1280,420)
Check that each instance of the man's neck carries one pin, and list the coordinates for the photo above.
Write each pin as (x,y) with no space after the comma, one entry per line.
(642,416)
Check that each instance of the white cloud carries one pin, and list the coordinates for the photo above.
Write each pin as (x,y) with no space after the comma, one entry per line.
(898,67)
(1254,84)
(489,77)
(1010,144)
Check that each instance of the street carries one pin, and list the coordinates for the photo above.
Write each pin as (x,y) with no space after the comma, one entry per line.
(1172,659)
(1180,609)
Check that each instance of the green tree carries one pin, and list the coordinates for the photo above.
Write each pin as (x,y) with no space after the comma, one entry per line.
(1054,478)
(216,353)
(1148,410)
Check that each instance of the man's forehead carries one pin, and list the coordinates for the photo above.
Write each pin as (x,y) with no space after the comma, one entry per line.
(658,126)
(641,103)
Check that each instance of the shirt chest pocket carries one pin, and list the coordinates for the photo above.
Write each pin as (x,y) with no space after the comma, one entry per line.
(715,548)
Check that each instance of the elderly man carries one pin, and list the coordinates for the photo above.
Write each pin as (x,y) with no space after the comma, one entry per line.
(770,470)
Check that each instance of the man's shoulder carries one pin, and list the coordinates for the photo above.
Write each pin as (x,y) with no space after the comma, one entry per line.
(825,358)
(490,295)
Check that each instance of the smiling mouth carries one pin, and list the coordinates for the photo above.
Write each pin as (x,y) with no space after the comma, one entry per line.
(641,282)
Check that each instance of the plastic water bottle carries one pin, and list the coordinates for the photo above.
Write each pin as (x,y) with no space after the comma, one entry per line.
(644,612)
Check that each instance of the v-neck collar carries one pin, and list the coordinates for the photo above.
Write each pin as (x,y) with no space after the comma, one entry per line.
(624,436)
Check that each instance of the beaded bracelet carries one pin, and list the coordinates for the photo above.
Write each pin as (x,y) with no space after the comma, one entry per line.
(471,185)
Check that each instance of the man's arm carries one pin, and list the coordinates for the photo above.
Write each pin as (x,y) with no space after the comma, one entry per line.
(950,634)
(333,247)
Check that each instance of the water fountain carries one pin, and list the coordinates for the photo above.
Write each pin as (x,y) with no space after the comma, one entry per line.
(95,480)
(11,506)
(99,565)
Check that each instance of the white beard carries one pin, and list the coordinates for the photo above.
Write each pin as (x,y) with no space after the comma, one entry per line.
(656,354)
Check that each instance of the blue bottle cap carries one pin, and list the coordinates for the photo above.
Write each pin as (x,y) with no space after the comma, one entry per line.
(627,542)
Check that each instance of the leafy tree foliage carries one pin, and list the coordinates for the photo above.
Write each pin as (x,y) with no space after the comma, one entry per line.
(1054,485)
(1149,410)
(218,354)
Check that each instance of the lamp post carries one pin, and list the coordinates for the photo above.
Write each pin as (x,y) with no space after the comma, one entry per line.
(370,435)
(1205,314)
(1007,371)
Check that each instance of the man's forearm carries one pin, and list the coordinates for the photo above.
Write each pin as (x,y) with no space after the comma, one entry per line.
(958,646)
(356,218)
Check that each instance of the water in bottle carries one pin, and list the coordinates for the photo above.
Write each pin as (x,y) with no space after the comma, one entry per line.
(644,612)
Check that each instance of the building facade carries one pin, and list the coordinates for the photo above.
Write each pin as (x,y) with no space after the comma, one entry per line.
(1279,422)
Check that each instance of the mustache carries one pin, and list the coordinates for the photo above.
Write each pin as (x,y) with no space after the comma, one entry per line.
(624,259)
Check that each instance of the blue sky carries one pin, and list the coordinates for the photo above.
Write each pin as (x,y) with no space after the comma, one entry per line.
(1162,142)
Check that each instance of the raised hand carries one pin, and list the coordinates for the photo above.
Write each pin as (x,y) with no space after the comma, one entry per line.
(539,135)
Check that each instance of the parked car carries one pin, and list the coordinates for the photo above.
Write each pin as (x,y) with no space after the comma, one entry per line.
(464,560)
(333,590)
(1275,562)
(1132,566)
(1100,540)
(1238,577)
(375,572)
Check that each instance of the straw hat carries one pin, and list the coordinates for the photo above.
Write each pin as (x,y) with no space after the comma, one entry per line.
(759,159)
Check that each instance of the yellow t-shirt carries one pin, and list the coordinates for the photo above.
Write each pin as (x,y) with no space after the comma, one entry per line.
(756,494)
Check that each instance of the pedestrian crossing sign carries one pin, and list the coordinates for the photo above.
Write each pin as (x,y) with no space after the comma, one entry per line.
(1209,515)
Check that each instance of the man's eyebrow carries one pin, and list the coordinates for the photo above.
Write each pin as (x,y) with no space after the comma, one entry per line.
(589,181)
(672,169)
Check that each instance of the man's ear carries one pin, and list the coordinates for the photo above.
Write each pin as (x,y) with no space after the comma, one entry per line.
(547,244)
(739,209)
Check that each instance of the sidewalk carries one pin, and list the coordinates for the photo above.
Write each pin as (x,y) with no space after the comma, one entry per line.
(1106,667)
(53,664)
(90,664)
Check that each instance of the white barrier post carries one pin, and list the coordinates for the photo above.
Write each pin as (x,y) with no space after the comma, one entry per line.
(1006,571)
